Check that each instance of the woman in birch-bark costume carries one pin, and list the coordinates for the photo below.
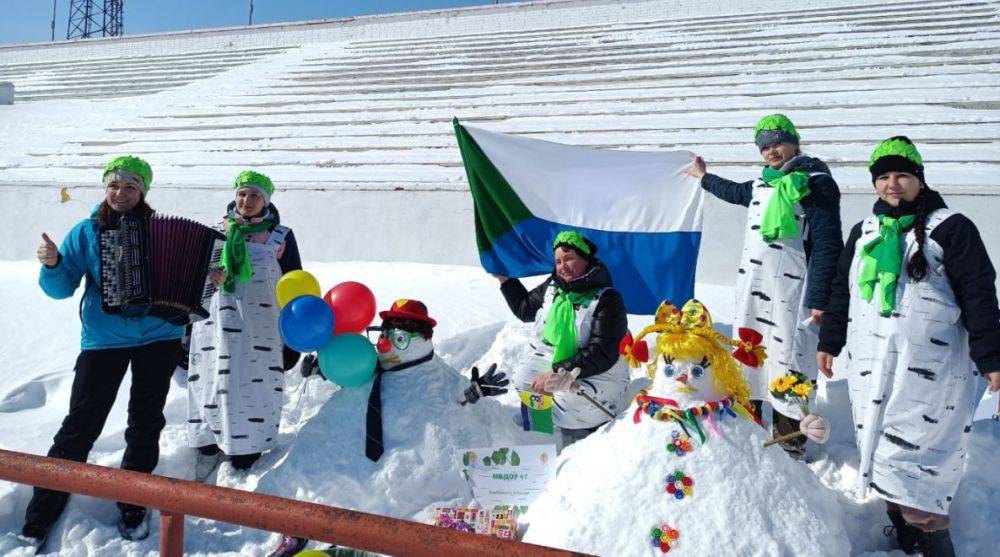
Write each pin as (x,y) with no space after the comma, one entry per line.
(237,360)
(915,303)
(790,251)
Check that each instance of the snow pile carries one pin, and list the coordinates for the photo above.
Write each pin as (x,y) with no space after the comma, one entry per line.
(424,430)
(611,490)
(320,448)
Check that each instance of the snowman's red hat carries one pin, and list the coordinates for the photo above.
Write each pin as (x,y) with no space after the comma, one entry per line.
(408,309)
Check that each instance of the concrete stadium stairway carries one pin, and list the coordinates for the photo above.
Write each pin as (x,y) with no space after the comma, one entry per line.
(376,114)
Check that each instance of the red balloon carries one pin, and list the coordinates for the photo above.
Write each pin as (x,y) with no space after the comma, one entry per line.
(353,306)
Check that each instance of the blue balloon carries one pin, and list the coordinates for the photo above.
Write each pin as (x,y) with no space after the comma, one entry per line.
(306,323)
(348,360)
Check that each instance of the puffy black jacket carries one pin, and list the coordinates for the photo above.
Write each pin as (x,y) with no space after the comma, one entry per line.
(610,319)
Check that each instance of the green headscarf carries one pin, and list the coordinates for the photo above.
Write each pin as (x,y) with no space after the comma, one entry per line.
(882,261)
(779,216)
(134,165)
(560,323)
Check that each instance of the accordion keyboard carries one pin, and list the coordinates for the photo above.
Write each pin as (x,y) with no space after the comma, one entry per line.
(208,290)
(111,278)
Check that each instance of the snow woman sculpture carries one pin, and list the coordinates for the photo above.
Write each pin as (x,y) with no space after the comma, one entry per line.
(686,463)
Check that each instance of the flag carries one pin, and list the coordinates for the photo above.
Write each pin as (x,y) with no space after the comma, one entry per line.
(536,412)
(638,207)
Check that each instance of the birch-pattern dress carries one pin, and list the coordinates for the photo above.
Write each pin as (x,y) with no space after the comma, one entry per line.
(911,380)
(235,376)
(570,410)
(771,299)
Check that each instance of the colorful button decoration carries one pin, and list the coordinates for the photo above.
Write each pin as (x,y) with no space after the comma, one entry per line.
(679,485)
(664,537)
(680,444)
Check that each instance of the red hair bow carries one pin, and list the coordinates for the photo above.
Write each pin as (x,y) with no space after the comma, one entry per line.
(633,352)
(748,350)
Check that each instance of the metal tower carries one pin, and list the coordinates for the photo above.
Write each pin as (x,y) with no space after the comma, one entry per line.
(95,18)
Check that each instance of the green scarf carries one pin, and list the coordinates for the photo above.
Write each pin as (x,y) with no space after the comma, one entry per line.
(235,256)
(779,216)
(560,323)
(882,260)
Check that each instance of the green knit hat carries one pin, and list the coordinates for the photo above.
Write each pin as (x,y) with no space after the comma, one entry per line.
(896,154)
(129,167)
(256,180)
(577,241)
(775,128)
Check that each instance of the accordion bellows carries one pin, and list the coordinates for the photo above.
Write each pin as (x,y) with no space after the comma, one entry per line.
(158,265)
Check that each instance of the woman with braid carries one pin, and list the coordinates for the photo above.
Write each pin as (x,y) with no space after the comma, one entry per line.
(235,373)
(915,303)
(789,257)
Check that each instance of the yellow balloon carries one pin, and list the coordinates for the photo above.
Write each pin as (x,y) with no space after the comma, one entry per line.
(294,284)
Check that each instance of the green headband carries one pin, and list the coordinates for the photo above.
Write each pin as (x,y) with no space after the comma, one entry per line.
(251,178)
(573,238)
(899,148)
(135,165)
(778,122)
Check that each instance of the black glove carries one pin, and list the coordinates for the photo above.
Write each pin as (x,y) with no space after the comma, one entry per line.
(491,384)
(310,365)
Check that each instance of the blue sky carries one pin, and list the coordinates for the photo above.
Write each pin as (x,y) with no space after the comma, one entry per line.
(23,21)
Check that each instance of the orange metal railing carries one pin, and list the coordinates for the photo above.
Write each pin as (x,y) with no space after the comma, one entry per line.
(177,498)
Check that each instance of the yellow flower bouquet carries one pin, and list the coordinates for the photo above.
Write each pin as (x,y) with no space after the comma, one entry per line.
(793,387)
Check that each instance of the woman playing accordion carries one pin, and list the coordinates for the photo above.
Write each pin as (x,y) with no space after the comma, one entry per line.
(111,342)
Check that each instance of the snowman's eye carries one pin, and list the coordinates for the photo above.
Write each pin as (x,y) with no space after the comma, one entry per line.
(697,371)
(668,370)
(400,338)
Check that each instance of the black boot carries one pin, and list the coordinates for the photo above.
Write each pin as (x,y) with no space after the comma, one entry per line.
(936,544)
(906,535)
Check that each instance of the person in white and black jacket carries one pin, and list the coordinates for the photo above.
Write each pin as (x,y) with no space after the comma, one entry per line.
(579,321)
(789,257)
(914,301)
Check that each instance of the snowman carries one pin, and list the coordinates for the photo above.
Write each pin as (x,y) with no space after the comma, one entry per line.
(390,447)
(684,470)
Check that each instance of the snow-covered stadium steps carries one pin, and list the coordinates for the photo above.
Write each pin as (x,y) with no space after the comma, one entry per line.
(798,29)
(379,105)
(837,15)
(102,77)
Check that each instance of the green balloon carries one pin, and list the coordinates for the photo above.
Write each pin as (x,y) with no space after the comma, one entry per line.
(348,360)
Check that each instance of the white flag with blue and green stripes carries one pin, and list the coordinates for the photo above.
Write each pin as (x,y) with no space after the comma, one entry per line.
(640,209)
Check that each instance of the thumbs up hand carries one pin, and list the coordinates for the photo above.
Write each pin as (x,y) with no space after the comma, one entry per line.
(48,252)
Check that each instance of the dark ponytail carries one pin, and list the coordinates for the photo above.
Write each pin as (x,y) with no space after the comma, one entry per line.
(916,267)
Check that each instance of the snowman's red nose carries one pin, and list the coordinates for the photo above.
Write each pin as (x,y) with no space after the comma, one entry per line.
(383,346)
(683,378)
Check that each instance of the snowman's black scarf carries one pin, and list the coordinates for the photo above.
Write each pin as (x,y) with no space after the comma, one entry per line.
(373,420)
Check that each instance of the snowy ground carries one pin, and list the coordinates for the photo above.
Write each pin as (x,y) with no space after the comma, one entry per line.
(40,342)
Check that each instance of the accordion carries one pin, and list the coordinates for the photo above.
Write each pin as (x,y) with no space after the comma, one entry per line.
(158,265)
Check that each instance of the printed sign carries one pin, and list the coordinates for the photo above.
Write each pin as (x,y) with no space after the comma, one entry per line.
(498,523)
(508,476)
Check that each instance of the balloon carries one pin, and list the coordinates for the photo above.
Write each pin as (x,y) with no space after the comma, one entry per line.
(354,306)
(348,360)
(294,284)
(306,323)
